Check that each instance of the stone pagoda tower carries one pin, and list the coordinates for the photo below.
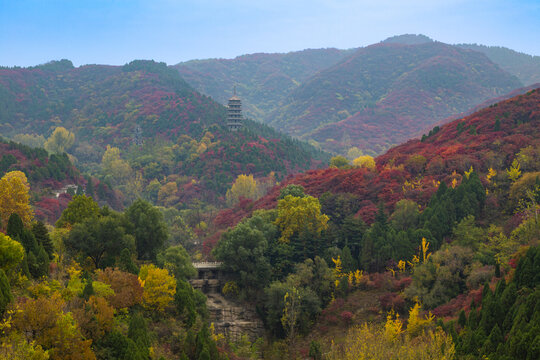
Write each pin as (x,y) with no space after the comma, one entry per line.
(234,113)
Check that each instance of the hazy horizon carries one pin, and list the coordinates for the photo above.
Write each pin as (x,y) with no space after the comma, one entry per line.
(114,32)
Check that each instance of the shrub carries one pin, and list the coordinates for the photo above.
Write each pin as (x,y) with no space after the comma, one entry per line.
(346,316)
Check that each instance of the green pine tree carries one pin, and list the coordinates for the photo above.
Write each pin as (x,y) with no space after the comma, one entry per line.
(42,261)
(42,237)
(347,261)
(133,352)
(205,354)
(462,319)
(138,330)
(126,263)
(33,266)
(15,226)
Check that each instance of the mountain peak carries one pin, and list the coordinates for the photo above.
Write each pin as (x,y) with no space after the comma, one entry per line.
(408,39)
(56,65)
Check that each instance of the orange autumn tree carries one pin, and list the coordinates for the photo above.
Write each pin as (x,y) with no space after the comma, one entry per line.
(43,320)
(95,318)
(15,198)
(127,289)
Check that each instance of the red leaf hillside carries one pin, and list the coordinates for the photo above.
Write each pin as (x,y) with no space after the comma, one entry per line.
(489,138)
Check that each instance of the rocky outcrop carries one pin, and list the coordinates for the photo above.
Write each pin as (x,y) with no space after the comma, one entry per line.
(233,320)
(230,318)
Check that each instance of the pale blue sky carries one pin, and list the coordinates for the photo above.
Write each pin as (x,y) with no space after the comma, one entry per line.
(118,31)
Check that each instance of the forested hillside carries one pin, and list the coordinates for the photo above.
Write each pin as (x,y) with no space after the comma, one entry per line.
(49,176)
(489,138)
(392,91)
(139,124)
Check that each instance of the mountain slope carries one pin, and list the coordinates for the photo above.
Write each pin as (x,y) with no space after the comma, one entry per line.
(383,93)
(525,67)
(263,80)
(112,105)
(411,170)
(101,103)
(481,106)
(491,137)
(42,170)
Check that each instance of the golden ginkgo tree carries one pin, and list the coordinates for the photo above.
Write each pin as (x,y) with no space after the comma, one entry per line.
(15,198)
(297,214)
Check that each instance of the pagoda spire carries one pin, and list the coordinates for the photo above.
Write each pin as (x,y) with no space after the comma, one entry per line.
(234,112)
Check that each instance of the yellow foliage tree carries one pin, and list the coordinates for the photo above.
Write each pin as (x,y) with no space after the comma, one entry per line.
(514,172)
(424,250)
(468,173)
(338,267)
(358,276)
(201,148)
(368,342)
(423,254)
(393,326)
(416,325)
(158,287)
(14,198)
(244,186)
(297,214)
(134,186)
(16,347)
(11,253)
(167,193)
(491,174)
(60,141)
(291,312)
(114,166)
(340,162)
(364,161)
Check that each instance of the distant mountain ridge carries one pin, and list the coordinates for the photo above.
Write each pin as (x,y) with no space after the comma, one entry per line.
(383,93)
(263,80)
(525,67)
(369,97)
